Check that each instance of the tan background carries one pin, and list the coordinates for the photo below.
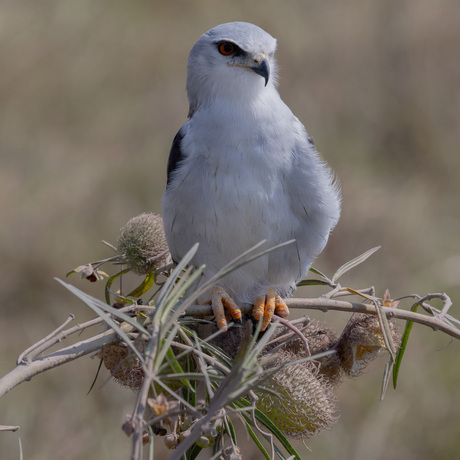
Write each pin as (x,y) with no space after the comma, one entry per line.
(91,95)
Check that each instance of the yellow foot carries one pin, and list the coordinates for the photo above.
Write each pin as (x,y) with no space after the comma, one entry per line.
(267,306)
(219,301)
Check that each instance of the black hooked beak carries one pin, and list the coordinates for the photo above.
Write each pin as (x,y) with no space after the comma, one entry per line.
(262,69)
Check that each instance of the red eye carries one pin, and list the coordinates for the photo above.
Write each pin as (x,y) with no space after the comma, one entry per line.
(226,48)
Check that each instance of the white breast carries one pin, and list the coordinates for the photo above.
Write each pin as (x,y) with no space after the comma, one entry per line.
(247,177)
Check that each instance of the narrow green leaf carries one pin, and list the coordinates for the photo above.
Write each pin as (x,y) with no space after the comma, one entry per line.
(193,375)
(236,263)
(402,349)
(170,282)
(109,283)
(103,310)
(190,394)
(148,282)
(95,377)
(106,308)
(232,430)
(257,346)
(313,283)
(20,450)
(194,452)
(243,259)
(278,451)
(204,369)
(317,272)
(262,418)
(152,443)
(212,350)
(362,294)
(166,351)
(171,311)
(178,368)
(164,345)
(257,441)
(353,263)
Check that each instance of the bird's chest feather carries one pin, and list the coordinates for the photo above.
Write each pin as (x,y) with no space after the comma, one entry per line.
(240,185)
(234,187)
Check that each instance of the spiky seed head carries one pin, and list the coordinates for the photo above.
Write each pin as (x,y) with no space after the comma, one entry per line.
(126,369)
(362,341)
(141,241)
(320,337)
(299,402)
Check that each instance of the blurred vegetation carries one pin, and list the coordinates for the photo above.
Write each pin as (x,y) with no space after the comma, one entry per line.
(91,95)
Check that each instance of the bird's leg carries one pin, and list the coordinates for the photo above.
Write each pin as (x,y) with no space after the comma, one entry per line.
(219,301)
(267,306)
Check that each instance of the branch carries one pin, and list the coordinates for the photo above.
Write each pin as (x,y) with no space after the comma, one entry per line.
(25,371)
(28,369)
(8,428)
(59,335)
(38,348)
(324,305)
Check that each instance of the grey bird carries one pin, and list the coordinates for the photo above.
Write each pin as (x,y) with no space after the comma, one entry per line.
(243,169)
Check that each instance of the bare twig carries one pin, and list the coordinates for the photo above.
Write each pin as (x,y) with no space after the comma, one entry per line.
(325,305)
(25,372)
(286,323)
(8,428)
(38,348)
(285,338)
(59,335)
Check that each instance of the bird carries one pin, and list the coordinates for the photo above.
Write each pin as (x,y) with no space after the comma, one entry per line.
(241,170)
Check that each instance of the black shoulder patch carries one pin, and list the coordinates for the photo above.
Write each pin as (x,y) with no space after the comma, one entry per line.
(175,155)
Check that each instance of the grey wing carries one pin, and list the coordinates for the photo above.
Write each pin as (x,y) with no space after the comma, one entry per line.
(176,155)
(170,202)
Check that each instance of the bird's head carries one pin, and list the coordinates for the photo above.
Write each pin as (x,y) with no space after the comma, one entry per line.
(233,60)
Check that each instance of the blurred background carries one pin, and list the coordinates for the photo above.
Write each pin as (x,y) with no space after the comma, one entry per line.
(91,96)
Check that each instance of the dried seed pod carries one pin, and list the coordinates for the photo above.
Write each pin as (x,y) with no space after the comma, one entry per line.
(231,453)
(141,242)
(299,402)
(90,273)
(126,369)
(320,338)
(171,440)
(362,341)
(123,365)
